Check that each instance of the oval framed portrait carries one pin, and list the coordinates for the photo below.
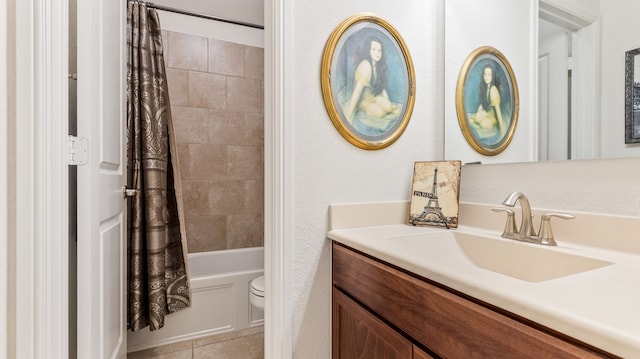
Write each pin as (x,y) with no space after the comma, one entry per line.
(368,82)
(487,101)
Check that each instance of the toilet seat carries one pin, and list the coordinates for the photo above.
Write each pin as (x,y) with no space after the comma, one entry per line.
(257,286)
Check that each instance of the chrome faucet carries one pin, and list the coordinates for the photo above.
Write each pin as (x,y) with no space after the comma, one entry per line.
(526,232)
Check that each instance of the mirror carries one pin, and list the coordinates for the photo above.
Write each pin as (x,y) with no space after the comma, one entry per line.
(569,62)
(567,81)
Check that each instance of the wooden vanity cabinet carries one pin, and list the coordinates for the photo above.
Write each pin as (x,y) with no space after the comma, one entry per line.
(380,311)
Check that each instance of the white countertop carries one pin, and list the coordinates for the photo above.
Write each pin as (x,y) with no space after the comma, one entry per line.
(600,307)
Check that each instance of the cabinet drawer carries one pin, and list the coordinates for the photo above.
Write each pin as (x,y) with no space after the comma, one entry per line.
(446,323)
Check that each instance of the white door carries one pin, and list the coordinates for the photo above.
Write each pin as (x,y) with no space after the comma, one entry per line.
(101,217)
(585,92)
(553,83)
(543,107)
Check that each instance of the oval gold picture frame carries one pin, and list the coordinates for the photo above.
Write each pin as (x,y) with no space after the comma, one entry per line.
(487,114)
(368,81)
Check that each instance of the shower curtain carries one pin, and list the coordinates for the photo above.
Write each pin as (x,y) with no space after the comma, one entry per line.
(158,283)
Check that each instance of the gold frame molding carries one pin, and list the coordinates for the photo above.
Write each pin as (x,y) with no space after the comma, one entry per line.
(473,63)
(335,84)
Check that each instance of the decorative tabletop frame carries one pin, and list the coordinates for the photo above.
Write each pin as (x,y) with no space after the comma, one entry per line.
(435,194)
(632,96)
(368,81)
(487,101)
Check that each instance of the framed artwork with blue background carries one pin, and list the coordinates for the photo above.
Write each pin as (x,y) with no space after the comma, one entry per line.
(487,101)
(368,82)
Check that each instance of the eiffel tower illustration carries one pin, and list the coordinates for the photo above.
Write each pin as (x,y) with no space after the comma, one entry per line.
(432,212)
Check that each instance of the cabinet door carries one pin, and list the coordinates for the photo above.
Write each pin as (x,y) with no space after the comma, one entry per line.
(357,334)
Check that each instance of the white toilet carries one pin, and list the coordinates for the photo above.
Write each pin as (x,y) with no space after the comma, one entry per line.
(256,288)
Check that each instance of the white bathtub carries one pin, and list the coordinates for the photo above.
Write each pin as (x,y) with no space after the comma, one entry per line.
(220,299)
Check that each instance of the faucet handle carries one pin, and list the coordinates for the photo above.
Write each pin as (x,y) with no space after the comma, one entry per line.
(545,233)
(510,225)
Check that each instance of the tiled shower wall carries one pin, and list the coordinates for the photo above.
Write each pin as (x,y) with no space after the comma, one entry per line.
(216,95)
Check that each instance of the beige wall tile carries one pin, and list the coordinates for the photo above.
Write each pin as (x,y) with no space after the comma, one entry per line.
(244,162)
(254,62)
(178,81)
(206,233)
(254,128)
(207,162)
(186,51)
(196,198)
(236,128)
(245,230)
(165,39)
(224,197)
(233,197)
(183,160)
(191,125)
(244,95)
(207,90)
(219,124)
(252,196)
(226,58)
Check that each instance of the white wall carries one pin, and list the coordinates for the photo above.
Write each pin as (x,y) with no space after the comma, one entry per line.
(584,9)
(619,35)
(596,186)
(251,11)
(328,169)
(186,24)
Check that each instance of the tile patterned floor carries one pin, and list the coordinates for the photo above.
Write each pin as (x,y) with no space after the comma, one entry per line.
(244,344)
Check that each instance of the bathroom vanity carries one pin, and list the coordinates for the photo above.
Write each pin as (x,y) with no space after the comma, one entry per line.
(416,292)
(433,317)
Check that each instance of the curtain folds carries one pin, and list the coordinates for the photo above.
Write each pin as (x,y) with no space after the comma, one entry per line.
(158,283)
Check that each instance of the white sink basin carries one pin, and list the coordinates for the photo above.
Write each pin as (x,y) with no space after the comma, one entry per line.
(524,261)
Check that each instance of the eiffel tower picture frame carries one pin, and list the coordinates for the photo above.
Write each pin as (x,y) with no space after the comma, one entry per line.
(435,194)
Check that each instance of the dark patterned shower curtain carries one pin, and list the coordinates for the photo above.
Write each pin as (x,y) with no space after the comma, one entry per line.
(157,268)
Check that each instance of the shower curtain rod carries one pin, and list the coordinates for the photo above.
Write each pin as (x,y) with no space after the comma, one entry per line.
(203,16)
